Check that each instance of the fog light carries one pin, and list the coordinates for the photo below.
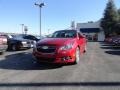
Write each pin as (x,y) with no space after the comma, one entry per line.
(66,58)
(63,59)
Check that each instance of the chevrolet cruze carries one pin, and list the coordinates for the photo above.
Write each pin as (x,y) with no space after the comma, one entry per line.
(63,47)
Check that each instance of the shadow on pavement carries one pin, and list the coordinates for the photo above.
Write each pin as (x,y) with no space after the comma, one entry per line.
(105,44)
(63,84)
(17,50)
(24,61)
(111,47)
(113,52)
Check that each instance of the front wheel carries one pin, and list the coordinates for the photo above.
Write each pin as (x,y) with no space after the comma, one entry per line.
(77,56)
(1,53)
(85,50)
(14,48)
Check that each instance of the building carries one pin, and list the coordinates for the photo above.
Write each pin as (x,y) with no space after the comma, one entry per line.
(92,30)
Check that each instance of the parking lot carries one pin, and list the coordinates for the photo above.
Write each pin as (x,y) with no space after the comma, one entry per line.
(99,69)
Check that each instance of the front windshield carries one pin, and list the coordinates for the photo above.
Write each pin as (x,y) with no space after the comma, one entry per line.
(64,34)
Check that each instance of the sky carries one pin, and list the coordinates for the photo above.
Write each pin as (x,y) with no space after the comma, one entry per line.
(56,14)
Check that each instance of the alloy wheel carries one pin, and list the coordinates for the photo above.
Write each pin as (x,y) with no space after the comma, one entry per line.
(77,56)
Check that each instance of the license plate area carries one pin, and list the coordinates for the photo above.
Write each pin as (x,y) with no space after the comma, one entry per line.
(48,55)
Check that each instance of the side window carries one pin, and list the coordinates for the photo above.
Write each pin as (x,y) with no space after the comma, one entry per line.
(26,37)
(30,37)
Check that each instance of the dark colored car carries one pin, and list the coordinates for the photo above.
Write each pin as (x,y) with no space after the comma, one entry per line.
(116,41)
(32,38)
(65,46)
(17,42)
(3,44)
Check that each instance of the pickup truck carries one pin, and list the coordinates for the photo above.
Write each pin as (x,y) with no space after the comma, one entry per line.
(63,47)
(3,44)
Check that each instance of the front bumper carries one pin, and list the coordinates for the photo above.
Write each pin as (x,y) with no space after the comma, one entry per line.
(62,57)
(25,46)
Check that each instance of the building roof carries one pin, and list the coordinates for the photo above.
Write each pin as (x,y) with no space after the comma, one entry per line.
(88,25)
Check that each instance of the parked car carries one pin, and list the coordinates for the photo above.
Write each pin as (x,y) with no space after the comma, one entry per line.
(110,39)
(116,41)
(3,44)
(32,38)
(89,37)
(107,39)
(17,42)
(65,46)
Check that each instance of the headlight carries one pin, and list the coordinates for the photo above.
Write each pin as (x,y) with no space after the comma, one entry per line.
(67,47)
(24,42)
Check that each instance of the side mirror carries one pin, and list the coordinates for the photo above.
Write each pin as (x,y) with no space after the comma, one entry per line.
(81,36)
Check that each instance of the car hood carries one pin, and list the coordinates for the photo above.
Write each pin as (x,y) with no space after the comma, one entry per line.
(55,41)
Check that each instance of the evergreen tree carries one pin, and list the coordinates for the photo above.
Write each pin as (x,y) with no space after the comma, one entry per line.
(118,24)
(110,19)
(119,15)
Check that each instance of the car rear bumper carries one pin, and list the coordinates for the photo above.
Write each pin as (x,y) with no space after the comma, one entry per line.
(3,48)
(60,58)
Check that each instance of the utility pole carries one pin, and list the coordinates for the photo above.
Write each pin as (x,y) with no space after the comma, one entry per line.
(48,31)
(26,30)
(22,28)
(40,7)
(73,25)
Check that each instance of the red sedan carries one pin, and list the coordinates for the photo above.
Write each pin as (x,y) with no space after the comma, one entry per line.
(64,46)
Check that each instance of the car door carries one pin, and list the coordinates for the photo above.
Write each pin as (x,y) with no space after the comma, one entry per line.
(81,41)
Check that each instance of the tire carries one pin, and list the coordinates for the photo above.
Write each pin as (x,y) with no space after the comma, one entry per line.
(14,48)
(85,50)
(77,56)
(1,53)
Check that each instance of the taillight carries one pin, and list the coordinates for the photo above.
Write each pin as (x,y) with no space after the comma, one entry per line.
(4,41)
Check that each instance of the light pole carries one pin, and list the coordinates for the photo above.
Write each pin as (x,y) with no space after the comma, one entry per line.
(40,6)
(22,28)
(26,29)
(48,31)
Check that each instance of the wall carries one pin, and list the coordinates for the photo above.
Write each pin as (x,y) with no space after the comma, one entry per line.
(101,36)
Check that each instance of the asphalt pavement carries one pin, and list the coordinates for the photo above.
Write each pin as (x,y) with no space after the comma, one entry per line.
(98,69)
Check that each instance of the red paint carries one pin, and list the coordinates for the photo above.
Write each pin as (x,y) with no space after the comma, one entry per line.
(78,41)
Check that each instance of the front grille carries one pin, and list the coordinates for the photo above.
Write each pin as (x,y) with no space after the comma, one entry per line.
(32,42)
(46,59)
(28,42)
(49,49)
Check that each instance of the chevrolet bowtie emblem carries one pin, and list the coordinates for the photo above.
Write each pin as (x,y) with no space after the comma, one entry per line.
(45,47)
